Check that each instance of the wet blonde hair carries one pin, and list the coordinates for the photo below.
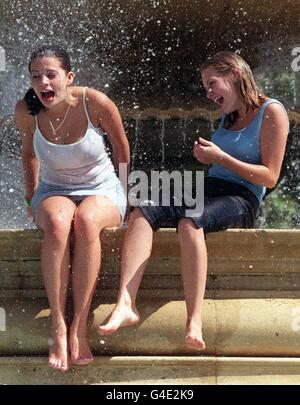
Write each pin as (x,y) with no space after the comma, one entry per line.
(225,62)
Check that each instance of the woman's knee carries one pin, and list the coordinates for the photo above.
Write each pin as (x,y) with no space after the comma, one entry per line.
(86,225)
(55,225)
(136,214)
(138,220)
(187,231)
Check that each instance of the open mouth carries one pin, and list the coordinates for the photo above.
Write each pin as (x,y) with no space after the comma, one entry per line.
(47,95)
(219,100)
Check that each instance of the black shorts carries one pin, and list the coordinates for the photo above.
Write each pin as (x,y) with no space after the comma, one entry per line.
(226,205)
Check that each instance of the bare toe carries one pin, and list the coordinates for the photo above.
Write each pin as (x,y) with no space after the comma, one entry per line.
(194,342)
(83,360)
(58,355)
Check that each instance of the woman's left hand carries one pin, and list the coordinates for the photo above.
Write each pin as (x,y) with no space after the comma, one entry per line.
(207,152)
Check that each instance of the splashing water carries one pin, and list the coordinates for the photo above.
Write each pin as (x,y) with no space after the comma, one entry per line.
(145,55)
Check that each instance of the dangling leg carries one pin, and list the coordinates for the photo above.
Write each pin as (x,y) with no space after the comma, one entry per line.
(91,217)
(54,218)
(194,270)
(135,254)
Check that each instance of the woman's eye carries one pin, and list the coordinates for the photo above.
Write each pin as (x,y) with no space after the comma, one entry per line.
(51,76)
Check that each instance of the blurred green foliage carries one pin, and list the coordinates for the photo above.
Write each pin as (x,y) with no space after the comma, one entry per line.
(279,210)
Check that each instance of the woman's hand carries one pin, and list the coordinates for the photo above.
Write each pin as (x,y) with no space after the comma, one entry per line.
(207,152)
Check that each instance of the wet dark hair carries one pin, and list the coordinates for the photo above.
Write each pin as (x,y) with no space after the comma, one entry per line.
(33,102)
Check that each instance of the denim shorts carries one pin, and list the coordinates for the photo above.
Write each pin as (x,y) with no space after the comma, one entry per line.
(226,205)
(111,188)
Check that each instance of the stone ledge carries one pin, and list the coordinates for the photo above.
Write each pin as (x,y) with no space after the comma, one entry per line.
(146,370)
(237,327)
(234,243)
(239,260)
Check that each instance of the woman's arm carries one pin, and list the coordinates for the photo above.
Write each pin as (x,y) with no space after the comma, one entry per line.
(273,137)
(30,162)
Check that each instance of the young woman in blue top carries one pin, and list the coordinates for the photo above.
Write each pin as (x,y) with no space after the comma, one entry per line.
(70,182)
(246,154)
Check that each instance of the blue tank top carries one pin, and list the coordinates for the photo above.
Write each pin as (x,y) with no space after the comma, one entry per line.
(84,163)
(244,145)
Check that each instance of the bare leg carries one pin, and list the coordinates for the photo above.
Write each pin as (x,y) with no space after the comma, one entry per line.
(135,254)
(54,218)
(91,217)
(194,270)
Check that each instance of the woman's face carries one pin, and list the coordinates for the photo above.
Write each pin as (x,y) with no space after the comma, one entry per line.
(49,80)
(221,89)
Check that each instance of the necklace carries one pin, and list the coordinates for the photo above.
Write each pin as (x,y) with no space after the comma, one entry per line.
(54,130)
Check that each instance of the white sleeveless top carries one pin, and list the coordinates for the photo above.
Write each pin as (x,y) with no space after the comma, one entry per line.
(84,163)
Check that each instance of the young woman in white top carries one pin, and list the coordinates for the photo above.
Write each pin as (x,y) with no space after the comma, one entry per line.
(70,183)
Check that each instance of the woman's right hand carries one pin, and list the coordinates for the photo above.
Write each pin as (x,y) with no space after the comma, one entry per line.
(207,152)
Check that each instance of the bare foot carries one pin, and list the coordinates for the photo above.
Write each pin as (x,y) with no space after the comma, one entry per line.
(193,338)
(58,352)
(81,354)
(121,316)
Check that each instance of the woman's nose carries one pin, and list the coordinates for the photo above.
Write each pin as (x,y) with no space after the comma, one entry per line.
(44,79)
(209,93)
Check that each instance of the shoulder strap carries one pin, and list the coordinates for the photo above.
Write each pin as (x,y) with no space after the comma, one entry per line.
(270,101)
(36,121)
(267,103)
(84,104)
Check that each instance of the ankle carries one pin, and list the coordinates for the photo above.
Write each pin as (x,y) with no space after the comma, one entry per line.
(58,327)
(125,301)
(194,323)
